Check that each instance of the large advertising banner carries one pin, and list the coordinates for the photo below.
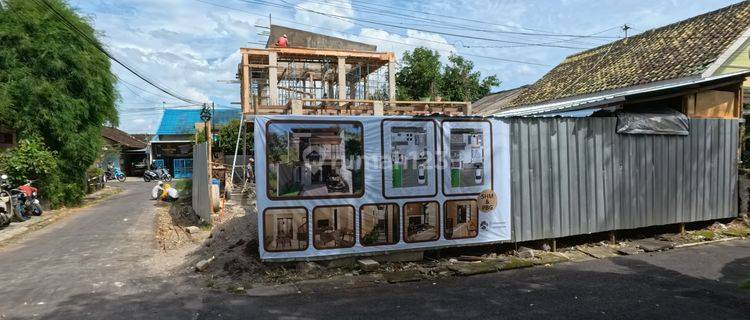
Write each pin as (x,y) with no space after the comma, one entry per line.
(337,186)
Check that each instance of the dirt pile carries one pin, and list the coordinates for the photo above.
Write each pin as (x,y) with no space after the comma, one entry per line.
(171,221)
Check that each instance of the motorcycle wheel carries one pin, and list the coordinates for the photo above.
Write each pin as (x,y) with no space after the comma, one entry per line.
(4,220)
(121,178)
(20,214)
(168,178)
(36,209)
(146,178)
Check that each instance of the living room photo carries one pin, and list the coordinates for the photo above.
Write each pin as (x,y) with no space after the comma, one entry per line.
(314,160)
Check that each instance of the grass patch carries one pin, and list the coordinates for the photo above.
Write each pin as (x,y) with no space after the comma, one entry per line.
(736,232)
(706,234)
(745,285)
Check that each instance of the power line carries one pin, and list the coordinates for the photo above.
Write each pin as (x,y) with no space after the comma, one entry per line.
(95,43)
(368,37)
(442,23)
(379,23)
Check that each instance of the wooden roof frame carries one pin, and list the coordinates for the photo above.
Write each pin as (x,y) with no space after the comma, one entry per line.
(321,53)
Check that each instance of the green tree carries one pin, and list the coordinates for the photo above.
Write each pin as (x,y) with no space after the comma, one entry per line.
(422,75)
(56,85)
(461,83)
(226,140)
(419,76)
(32,160)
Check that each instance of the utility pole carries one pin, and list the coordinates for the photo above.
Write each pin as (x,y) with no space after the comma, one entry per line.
(625,28)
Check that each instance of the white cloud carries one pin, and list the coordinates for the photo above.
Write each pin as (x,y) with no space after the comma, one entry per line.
(341,8)
(188,45)
(399,43)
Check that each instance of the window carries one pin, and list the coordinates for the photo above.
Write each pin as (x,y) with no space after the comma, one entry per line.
(467,156)
(421,221)
(285,229)
(461,219)
(314,159)
(333,227)
(408,158)
(378,224)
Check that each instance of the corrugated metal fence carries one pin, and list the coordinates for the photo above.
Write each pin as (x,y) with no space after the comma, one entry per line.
(573,176)
(201,182)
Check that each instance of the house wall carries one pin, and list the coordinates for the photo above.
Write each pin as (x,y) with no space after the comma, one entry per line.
(712,104)
(573,176)
(740,61)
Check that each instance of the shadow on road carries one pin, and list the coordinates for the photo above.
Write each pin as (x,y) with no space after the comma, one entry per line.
(624,287)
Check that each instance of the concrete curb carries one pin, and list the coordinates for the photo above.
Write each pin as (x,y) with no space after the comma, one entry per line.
(694,244)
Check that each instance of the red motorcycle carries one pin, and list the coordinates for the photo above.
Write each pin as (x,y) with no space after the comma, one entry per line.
(27,203)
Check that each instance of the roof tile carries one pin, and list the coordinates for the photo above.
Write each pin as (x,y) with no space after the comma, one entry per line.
(677,50)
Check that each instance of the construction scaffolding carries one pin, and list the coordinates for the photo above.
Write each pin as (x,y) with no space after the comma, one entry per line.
(327,82)
(306,81)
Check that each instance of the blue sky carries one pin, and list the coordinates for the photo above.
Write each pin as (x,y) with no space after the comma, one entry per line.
(189,46)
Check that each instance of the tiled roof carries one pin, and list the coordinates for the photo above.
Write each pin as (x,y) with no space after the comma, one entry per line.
(182,121)
(122,138)
(495,102)
(682,49)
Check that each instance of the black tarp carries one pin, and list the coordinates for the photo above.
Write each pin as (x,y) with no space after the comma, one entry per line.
(652,120)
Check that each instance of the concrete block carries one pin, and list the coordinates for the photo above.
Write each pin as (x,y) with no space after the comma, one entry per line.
(341,262)
(368,264)
(203,264)
(409,256)
(600,252)
(467,269)
(192,229)
(551,258)
(516,264)
(651,245)
(403,276)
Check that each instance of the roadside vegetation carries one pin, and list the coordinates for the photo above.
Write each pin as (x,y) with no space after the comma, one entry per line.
(56,92)
(423,76)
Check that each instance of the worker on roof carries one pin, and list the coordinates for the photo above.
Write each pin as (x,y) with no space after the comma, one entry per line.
(282,42)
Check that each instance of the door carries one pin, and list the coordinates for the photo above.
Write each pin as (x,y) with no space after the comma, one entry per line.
(159,163)
(183,168)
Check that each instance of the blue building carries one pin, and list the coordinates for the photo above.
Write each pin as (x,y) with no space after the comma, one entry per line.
(172,146)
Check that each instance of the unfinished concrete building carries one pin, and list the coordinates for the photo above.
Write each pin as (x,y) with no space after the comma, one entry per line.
(318,74)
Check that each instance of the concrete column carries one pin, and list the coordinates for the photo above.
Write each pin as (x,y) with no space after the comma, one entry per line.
(273,79)
(377,108)
(392,80)
(341,70)
(296,106)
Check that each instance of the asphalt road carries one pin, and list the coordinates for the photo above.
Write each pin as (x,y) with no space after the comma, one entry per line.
(97,250)
(91,266)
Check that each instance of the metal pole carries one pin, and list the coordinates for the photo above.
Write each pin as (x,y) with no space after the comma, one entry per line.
(237,147)
(244,152)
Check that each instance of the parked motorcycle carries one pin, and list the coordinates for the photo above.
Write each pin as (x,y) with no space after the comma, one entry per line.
(115,174)
(6,204)
(26,202)
(158,174)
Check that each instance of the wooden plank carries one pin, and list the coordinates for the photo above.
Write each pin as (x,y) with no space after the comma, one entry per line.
(383,56)
(245,85)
